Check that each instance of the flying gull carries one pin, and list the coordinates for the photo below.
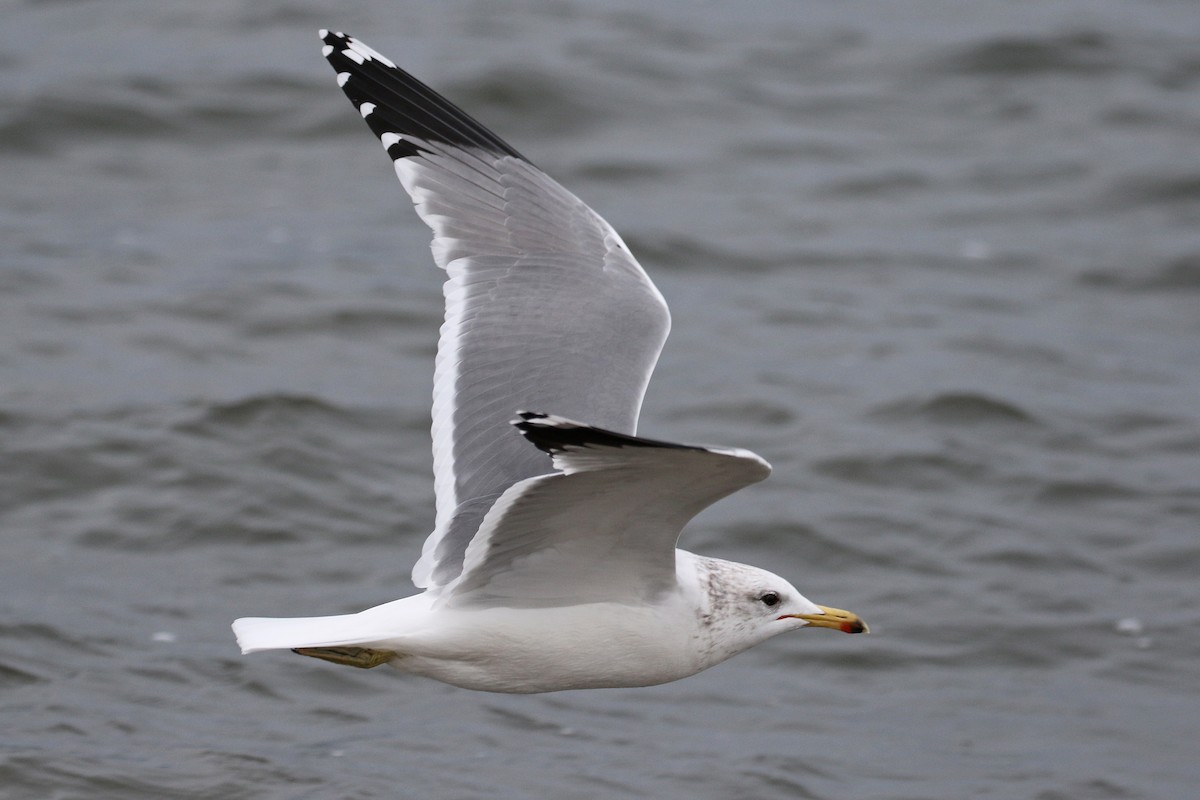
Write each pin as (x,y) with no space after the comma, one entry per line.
(542,574)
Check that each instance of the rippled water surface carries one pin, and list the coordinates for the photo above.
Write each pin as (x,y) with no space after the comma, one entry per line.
(939,263)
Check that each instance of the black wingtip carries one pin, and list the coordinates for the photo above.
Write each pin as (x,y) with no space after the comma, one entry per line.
(552,435)
(399,103)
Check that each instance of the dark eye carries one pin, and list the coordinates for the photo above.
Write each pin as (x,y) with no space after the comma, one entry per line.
(770,599)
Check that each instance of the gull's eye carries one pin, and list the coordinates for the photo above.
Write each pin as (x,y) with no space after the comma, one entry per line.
(770,599)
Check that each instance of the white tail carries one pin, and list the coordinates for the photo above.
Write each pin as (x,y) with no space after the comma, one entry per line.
(275,633)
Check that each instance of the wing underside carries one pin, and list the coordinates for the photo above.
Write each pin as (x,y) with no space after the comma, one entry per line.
(605,527)
(545,307)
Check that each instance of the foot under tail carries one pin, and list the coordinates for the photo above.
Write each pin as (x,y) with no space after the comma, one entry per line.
(275,633)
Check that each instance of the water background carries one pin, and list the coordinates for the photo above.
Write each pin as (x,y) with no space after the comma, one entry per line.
(938,262)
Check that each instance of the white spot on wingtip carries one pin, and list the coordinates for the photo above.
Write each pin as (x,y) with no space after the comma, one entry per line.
(342,77)
(365,109)
(387,139)
(370,53)
(327,50)
(323,32)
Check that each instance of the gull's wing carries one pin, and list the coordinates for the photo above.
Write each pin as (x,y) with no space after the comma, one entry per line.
(605,527)
(545,307)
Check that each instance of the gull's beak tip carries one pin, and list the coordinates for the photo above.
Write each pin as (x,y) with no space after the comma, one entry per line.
(836,618)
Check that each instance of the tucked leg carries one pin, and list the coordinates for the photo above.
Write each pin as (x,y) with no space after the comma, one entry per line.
(361,657)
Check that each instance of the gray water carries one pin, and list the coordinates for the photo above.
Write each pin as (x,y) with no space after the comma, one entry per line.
(938,262)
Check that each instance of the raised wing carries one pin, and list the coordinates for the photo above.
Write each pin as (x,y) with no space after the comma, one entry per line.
(602,529)
(545,307)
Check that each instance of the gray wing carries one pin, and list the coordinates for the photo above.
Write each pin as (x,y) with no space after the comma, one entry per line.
(605,527)
(545,307)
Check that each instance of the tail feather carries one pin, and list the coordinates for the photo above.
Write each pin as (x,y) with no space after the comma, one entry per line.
(287,633)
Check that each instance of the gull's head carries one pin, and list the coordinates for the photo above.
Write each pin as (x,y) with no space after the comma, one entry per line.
(751,605)
(780,607)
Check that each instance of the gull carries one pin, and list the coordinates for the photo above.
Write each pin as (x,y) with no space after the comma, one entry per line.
(553,562)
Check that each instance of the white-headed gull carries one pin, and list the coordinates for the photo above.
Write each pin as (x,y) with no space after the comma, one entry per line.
(542,573)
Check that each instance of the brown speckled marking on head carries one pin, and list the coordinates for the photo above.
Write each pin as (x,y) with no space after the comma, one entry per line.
(705,612)
(718,577)
(720,612)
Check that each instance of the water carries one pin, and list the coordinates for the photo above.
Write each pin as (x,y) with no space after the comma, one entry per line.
(938,263)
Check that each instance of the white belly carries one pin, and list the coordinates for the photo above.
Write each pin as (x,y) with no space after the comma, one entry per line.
(546,650)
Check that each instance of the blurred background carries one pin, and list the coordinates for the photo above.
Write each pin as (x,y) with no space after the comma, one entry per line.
(938,262)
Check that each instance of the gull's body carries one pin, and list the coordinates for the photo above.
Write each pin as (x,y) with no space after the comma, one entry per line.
(542,574)
(586,646)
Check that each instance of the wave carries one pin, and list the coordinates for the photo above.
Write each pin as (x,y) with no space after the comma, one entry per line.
(1181,273)
(957,408)
(1084,52)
